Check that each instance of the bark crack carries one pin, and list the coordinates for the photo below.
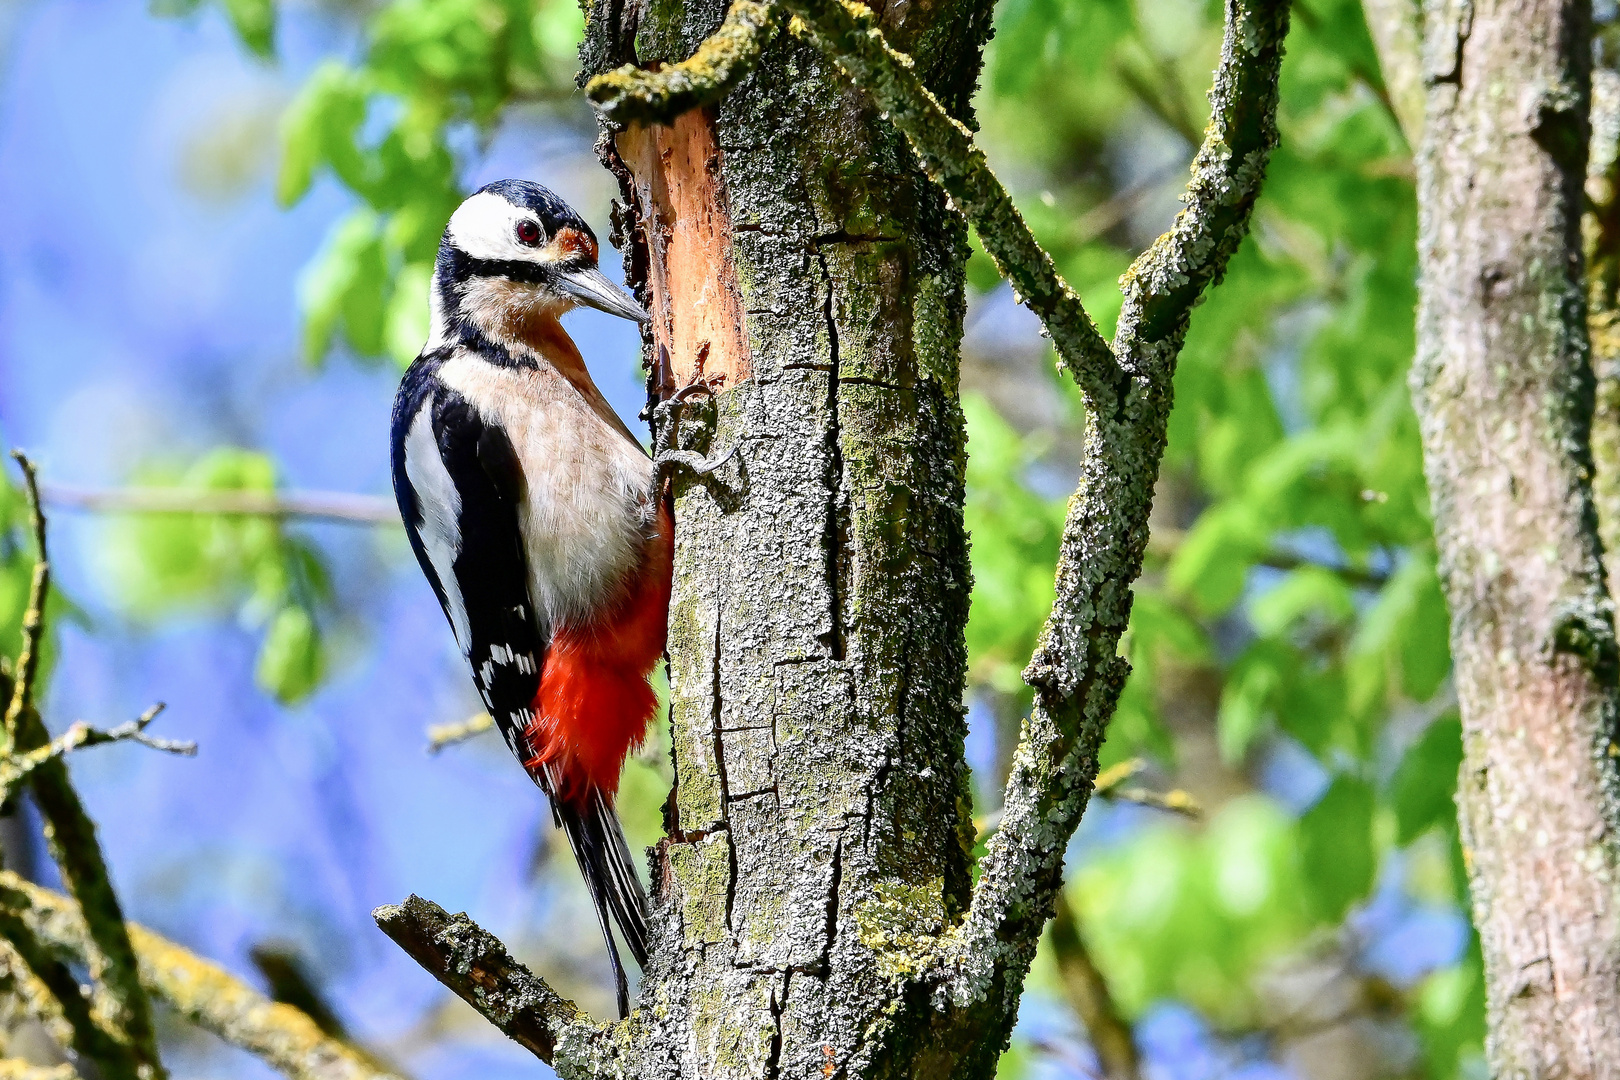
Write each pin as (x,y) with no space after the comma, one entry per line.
(833,539)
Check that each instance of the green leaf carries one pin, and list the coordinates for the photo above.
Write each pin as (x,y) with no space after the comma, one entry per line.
(408,313)
(1306,591)
(319,126)
(291,660)
(1424,787)
(1336,847)
(1212,564)
(255,23)
(345,287)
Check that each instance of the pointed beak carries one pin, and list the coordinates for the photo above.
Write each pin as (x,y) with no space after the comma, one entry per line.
(592,288)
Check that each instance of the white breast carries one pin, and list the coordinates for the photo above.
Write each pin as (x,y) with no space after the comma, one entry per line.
(589,506)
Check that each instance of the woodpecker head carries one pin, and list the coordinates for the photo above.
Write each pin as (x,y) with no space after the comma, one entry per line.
(514,252)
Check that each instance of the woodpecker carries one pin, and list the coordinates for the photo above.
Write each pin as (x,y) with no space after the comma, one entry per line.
(536,516)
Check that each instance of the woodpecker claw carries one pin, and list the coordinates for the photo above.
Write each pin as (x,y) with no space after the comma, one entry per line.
(673,461)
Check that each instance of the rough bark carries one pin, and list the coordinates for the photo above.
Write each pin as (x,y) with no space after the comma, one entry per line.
(819,822)
(1503,388)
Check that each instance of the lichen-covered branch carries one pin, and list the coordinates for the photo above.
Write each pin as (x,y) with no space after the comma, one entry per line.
(90,1036)
(70,830)
(849,34)
(24,996)
(636,95)
(1076,671)
(201,992)
(477,968)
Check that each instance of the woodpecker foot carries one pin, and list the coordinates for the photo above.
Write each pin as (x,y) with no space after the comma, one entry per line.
(671,462)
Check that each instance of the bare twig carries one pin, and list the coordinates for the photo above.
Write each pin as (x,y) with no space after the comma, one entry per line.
(443,735)
(635,95)
(1110,784)
(72,833)
(199,991)
(471,962)
(334,506)
(1164,542)
(17,768)
(1090,997)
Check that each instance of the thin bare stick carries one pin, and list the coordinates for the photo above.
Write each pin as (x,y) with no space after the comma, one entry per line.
(17,768)
(443,735)
(334,506)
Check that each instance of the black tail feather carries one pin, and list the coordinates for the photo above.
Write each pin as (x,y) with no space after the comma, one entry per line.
(610,875)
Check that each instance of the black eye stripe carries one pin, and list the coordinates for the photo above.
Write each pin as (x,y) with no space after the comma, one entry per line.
(512,269)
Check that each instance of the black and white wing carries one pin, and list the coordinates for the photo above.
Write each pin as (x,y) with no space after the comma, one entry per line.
(459,486)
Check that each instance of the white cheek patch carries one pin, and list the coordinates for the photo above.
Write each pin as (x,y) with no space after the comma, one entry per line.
(485,227)
(439,503)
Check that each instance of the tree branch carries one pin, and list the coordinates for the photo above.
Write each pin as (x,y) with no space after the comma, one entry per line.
(443,735)
(1089,996)
(91,1037)
(15,769)
(1110,784)
(14,1069)
(1076,671)
(335,506)
(201,992)
(23,994)
(477,968)
(848,33)
(636,95)
(21,698)
(70,830)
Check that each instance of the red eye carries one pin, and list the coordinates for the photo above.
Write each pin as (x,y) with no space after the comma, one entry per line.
(528,232)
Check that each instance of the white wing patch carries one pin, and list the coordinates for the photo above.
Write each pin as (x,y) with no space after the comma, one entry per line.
(439,503)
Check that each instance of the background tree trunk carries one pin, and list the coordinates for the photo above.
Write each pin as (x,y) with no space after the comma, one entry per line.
(821,813)
(1503,388)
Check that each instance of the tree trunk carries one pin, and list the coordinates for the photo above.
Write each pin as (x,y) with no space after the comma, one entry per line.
(1503,389)
(795,255)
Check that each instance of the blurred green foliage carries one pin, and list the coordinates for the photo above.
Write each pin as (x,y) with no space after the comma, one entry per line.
(383,126)
(155,564)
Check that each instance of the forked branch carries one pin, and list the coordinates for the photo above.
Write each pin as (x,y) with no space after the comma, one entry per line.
(848,33)
(1076,671)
